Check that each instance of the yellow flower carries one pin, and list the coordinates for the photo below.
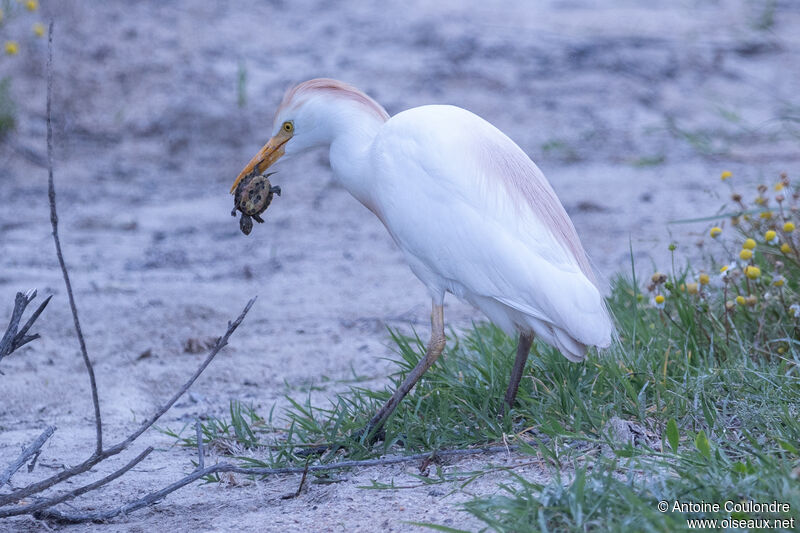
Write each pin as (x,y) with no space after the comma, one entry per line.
(725,175)
(778,281)
(751,300)
(715,232)
(38,29)
(766,214)
(745,254)
(724,268)
(704,279)
(785,248)
(32,5)
(749,244)
(760,200)
(752,272)
(12,48)
(788,227)
(740,300)
(691,288)
(779,186)
(660,299)
(771,237)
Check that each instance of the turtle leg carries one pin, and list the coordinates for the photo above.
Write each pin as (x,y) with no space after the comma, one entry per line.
(275,189)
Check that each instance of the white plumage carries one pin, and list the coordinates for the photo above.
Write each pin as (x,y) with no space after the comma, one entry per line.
(473,215)
(442,195)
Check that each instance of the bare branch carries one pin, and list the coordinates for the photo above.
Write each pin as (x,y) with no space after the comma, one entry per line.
(157,496)
(54,222)
(95,458)
(16,337)
(34,448)
(24,329)
(49,502)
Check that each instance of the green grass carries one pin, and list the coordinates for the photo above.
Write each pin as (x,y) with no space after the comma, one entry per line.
(733,420)
(8,113)
(714,383)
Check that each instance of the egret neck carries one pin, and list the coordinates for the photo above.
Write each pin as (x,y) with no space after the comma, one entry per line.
(352,132)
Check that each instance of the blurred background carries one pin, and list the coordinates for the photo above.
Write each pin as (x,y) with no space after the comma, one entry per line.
(632,109)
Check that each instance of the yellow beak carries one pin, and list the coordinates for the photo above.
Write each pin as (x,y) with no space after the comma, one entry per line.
(271,152)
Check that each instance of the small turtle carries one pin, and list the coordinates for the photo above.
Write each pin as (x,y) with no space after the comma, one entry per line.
(252,197)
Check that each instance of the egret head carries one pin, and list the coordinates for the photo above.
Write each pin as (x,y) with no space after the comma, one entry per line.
(308,117)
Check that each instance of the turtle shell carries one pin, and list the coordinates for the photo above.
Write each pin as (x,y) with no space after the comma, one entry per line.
(252,197)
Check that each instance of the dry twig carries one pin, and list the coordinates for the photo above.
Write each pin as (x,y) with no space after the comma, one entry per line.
(94,459)
(157,496)
(16,337)
(51,190)
(34,448)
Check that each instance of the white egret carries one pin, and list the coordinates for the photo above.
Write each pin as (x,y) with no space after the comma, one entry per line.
(472,214)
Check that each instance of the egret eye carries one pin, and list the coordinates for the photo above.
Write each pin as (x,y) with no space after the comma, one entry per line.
(288,127)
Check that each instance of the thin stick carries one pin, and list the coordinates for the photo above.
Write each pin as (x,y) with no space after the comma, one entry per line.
(14,338)
(24,329)
(201,461)
(296,493)
(157,496)
(34,488)
(49,502)
(54,222)
(35,446)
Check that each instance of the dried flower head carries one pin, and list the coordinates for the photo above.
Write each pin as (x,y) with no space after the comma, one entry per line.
(658,277)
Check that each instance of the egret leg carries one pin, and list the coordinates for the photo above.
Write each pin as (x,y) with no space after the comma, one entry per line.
(434,350)
(523,349)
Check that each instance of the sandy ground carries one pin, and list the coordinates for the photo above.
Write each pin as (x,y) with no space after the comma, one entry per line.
(632,111)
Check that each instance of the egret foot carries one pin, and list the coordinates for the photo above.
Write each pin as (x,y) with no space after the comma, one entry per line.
(523,349)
